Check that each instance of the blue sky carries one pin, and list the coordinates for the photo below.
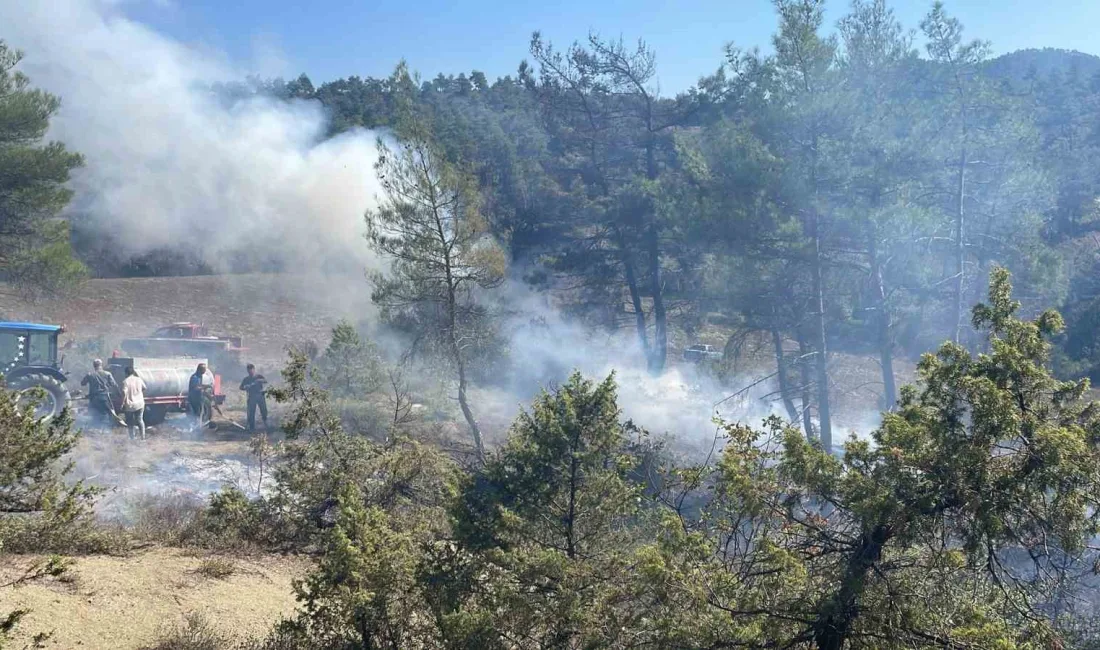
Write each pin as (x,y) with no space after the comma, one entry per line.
(336,38)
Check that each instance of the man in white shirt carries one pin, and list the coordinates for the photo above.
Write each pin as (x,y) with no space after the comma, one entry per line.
(133,402)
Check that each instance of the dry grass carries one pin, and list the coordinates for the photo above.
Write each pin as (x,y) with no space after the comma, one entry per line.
(194,633)
(126,603)
(163,518)
(218,568)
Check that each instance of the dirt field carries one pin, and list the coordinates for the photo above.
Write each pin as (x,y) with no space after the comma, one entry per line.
(124,603)
(270,311)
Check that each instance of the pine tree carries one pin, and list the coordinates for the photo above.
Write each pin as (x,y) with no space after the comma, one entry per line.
(350,366)
(431,227)
(34,245)
(553,507)
(977,496)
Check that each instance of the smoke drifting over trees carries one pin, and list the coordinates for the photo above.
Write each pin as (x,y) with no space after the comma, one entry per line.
(175,163)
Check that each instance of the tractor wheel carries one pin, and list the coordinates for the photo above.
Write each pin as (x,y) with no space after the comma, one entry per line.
(50,405)
(155,415)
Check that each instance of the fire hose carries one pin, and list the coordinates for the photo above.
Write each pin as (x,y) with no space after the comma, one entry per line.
(217,408)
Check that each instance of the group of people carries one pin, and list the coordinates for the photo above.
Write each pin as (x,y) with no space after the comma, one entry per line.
(200,397)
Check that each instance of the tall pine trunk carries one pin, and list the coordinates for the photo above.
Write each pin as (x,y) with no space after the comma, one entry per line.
(960,247)
(821,358)
(475,430)
(460,365)
(882,329)
(660,334)
(781,374)
(659,352)
(635,300)
(807,382)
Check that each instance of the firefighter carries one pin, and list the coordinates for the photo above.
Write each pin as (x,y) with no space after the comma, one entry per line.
(196,396)
(101,384)
(254,385)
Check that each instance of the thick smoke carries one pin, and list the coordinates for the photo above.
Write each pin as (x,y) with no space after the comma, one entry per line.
(681,402)
(171,165)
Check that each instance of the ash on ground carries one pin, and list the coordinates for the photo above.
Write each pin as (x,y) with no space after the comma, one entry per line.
(172,460)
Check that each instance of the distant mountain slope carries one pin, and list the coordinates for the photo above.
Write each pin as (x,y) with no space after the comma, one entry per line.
(1045,62)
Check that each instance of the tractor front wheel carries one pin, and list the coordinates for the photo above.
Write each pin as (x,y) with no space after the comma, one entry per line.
(50,403)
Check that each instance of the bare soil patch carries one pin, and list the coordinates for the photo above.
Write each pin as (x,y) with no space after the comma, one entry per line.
(124,603)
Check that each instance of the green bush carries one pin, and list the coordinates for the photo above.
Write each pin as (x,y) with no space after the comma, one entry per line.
(40,512)
(350,366)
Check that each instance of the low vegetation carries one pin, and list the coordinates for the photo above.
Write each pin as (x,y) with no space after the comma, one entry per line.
(217,568)
(195,632)
(965,520)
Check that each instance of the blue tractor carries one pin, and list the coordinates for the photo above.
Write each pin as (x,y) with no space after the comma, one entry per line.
(28,359)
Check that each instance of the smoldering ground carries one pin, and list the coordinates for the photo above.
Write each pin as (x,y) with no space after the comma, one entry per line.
(171,462)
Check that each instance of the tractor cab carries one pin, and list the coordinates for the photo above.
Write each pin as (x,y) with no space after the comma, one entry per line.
(28,344)
(28,360)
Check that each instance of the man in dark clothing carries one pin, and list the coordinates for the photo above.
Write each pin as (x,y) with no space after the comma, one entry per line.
(254,385)
(100,385)
(196,396)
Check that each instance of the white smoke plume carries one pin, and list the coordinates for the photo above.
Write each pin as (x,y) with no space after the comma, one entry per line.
(169,165)
(681,402)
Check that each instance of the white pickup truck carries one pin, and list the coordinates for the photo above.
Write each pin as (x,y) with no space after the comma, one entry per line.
(700,352)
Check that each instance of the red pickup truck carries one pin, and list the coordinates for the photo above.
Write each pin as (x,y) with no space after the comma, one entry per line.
(191,340)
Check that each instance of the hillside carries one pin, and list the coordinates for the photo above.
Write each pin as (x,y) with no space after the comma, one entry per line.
(1044,62)
(270,311)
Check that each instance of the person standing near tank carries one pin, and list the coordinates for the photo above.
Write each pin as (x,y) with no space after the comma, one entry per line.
(101,384)
(133,402)
(196,396)
(254,385)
